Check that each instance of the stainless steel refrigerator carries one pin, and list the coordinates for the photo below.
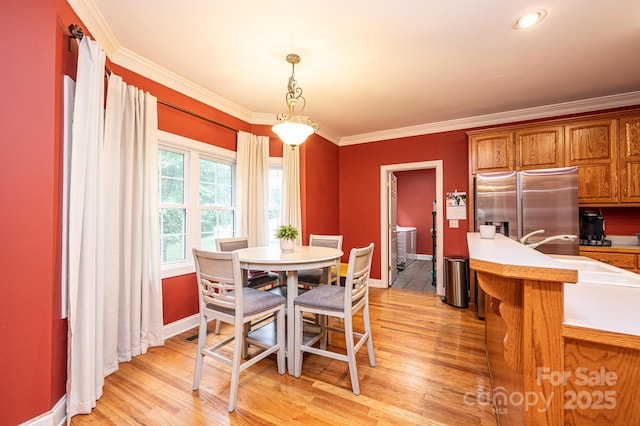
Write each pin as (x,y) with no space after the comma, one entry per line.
(520,203)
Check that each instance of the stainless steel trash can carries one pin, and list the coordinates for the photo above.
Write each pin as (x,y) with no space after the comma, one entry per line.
(456,281)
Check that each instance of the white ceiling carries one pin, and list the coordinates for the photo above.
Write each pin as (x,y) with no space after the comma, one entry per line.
(374,68)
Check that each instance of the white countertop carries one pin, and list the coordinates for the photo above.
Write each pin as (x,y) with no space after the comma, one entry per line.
(513,259)
(623,241)
(600,300)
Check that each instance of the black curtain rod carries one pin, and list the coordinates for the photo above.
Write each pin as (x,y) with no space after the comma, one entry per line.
(75,32)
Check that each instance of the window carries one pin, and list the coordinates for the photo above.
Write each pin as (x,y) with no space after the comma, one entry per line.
(275,198)
(196,187)
(173,208)
(215,201)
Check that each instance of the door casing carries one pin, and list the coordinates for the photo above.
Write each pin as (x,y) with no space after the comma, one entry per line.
(384,218)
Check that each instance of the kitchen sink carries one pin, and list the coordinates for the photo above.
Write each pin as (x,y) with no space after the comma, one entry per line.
(604,298)
(595,272)
(586,264)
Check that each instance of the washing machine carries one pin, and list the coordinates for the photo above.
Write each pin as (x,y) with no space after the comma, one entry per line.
(406,245)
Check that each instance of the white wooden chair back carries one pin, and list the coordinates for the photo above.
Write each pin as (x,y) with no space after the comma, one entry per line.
(218,274)
(232,243)
(357,280)
(332,241)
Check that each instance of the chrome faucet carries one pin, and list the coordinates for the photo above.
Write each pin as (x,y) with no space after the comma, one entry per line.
(524,239)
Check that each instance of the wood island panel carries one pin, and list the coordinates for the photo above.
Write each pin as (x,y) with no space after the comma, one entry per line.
(565,374)
(524,327)
(602,387)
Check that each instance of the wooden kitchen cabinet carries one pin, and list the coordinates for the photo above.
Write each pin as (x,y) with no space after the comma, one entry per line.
(604,147)
(492,152)
(626,259)
(522,149)
(539,148)
(592,146)
(630,159)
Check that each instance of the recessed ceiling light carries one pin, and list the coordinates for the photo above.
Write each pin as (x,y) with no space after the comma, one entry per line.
(530,19)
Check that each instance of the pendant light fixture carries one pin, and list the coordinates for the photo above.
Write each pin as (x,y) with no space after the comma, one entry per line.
(292,128)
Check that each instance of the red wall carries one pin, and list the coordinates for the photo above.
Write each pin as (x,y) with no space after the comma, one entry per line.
(416,192)
(620,220)
(360,185)
(319,187)
(29,298)
(32,335)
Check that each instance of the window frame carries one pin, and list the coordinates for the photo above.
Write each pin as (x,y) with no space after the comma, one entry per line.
(193,150)
(276,163)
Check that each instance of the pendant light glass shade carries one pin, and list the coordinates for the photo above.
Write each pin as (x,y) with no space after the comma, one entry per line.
(293,129)
(292,133)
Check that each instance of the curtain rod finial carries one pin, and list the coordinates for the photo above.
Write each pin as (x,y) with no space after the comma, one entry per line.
(74,32)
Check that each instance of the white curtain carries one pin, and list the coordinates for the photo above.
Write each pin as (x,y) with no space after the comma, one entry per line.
(290,212)
(84,353)
(115,302)
(252,188)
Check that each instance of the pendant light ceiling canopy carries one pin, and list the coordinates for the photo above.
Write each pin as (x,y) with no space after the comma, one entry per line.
(292,128)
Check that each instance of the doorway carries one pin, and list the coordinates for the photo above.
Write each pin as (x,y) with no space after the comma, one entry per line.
(386,245)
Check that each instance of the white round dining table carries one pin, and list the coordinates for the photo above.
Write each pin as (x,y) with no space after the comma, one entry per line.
(302,257)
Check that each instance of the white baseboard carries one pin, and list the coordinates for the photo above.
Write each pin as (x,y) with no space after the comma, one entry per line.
(376,283)
(424,257)
(180,326)
(57,416)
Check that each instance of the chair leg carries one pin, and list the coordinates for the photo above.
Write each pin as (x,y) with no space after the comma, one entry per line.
(351,354)
(327,336)
(367,331)
(217,330)
(295,353)
(246,328)
(280,326)
(202,342)
(324,333)
(235,366)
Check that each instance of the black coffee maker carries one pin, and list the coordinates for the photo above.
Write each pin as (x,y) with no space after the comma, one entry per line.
(591,227)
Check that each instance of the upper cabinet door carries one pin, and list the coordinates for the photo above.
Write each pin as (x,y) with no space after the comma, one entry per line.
(630,159)
(593,147)
(492,152)
(539,148)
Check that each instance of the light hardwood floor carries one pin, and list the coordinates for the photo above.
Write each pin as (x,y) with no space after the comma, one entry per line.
(429,356)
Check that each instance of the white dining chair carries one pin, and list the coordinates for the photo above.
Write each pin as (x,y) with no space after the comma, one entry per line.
(255,279)
(314,277)
(344,303)
(222,297)
(258,279)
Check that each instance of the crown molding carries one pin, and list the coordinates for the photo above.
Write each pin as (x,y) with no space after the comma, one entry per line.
(98,27)
(95,23)
(329,135)
(565,108)
(153,71)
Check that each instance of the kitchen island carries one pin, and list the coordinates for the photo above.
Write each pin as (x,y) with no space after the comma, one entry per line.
(543,370)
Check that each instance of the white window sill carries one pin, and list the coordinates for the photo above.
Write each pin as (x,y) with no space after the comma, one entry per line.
(170,272)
